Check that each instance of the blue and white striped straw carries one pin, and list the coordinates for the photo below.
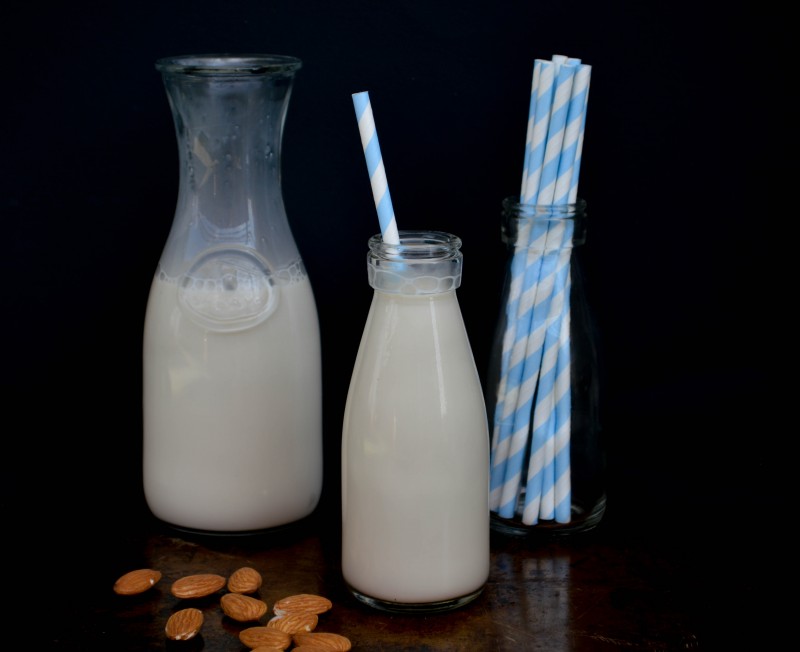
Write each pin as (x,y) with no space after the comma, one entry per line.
(562,496)
(585,79)
(568,186)
(377,172)
(541,127)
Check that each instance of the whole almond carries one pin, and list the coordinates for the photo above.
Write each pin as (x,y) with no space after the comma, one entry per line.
(197,586)
(184,624)
(302,602)
(242,607)
(257,637)
(244,580)
(292,623)
(136,581)
(323,641)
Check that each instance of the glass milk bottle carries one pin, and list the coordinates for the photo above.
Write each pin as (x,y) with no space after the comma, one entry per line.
(232,365)
(548,465)
(415,449)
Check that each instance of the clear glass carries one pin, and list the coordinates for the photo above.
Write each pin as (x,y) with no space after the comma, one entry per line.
(547,474)
(232,364)
(415,446)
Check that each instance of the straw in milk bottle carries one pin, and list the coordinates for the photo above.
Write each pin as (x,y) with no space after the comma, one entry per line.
(415,447)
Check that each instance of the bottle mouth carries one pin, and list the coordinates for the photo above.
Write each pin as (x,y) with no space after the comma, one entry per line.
(229,64)
(417,245)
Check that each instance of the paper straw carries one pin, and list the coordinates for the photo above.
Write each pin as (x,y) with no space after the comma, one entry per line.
(576,167)
(567,179)
(563,478)
(544,102)
(537,72)
(563,417)
(377,172)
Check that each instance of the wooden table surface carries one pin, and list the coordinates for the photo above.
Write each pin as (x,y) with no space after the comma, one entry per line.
(617,588)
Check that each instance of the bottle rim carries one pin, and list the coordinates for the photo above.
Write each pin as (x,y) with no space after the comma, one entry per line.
(429,245)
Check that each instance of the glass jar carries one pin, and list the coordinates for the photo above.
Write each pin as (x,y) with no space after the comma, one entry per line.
(547,459)
(232,361)
(415,447)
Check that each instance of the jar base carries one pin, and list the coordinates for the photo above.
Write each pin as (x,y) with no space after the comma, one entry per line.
(582,520)
(415,607)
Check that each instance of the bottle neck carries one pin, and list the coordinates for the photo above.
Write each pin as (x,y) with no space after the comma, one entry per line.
(423,263)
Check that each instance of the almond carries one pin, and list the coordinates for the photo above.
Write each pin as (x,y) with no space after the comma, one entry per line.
(184,624)
(197,586)
(323,641)
(136,581)
(292,623)
(302,602)
(257,637)
(242,607)
(244,580)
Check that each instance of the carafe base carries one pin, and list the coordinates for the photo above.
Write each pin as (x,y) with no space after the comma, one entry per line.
(292,526)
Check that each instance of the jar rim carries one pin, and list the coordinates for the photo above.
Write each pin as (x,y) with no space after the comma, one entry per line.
(417,244)
(512,204)
(229,64)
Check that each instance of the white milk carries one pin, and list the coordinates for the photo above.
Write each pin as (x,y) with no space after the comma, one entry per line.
(415,456)
(232,420)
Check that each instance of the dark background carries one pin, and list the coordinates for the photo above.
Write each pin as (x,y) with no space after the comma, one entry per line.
(675,256)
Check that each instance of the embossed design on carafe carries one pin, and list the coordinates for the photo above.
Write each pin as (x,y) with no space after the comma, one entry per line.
(228,290)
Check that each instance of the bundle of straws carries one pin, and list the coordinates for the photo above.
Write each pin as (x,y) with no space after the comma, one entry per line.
(532,427)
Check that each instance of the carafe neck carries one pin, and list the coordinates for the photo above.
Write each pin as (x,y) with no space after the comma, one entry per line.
(229,114)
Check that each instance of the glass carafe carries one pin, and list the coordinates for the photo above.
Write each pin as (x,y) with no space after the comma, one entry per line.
(232,367)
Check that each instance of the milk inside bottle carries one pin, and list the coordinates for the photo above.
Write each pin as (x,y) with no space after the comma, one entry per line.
(415,449)
(231,352)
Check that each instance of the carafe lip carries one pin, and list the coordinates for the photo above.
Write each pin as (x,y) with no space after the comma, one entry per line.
(229,64)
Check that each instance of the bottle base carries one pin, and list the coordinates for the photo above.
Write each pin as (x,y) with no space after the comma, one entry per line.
(582,520)
(415,607)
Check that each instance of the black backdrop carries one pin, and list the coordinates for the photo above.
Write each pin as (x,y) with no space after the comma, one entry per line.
(89,180)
